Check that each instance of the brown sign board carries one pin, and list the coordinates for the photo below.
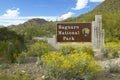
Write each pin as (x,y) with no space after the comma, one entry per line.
(73,32)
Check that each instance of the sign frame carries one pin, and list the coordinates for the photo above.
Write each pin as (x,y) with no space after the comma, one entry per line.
(74,32)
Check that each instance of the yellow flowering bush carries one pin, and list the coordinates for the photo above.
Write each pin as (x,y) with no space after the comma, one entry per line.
(72,66)
(86,49)
(52,63)
(75,48)
(111,50)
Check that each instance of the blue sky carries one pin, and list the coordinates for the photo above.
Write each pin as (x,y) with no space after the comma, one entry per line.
(19,11)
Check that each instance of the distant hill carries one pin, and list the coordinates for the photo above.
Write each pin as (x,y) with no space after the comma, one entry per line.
(1,26)
(35,21)
(34,27)
(29,23)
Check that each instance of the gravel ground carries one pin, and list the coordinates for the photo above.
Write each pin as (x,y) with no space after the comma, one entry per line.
(106,75)
(29,67)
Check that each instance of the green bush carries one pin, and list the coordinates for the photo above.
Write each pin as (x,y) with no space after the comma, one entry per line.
(38,49)
(16,76)
(21,58)
(73,66)
(75,48)
(66,49)
(4,66)
(9,50)
(3,48)
(13,50)
(110,50)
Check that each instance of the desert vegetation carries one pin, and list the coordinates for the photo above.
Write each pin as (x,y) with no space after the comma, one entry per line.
(69,61)
(21,58)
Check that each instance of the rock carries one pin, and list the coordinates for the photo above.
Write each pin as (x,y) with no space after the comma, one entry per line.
(23,71)
(38,61)
(43,77)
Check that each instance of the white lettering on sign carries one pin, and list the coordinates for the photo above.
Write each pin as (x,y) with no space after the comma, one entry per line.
(68,38)
(68,32)
(68,27)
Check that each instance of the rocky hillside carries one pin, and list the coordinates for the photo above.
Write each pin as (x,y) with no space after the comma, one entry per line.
(110,11)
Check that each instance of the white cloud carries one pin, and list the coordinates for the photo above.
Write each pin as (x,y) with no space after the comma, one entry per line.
(80,4)
(11,17)
(97,0)
(12,13)
(83,3)
(18,20)
(65,16)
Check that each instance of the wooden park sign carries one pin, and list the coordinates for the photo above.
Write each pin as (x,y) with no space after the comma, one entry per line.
(73,32)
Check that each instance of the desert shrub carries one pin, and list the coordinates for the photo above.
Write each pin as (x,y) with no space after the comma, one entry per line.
(114,68)
(86,49)
(21,58)
(3,47)
(75,48)
(38,49)
(119,49)
(66,49)
(72,66)
(9,50)
(4,66)
(52,64)
(110,50)
(17,76)
(13,50)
